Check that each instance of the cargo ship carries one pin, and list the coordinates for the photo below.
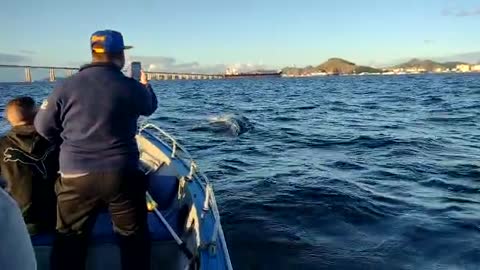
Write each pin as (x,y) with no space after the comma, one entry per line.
(232,73)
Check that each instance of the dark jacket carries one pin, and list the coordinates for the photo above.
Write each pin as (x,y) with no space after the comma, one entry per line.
(94,115)
(29,165)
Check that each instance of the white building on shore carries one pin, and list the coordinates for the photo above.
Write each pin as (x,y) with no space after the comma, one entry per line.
(463,68)
(475,68)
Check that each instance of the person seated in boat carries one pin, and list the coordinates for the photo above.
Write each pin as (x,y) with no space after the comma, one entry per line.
(93,115)
(29,166)
(16,251)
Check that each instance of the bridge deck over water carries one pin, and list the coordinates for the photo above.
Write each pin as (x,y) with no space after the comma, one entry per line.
(151,75)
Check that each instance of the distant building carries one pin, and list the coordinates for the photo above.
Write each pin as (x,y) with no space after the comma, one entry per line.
(463,68)
(231,71)
(415,70)
(475,68)
(321,73)
(398,70)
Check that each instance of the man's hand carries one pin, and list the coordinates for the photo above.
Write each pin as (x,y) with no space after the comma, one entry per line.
(143,78)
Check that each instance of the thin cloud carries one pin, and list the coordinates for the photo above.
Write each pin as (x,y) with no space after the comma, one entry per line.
(428,41)
(27,52)
(461,12)
(8,58)
(242,67)
(170,64)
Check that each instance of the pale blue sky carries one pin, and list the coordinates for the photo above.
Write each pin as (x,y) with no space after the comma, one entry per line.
(197,34)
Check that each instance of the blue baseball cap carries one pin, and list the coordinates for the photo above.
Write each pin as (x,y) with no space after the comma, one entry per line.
(107,41)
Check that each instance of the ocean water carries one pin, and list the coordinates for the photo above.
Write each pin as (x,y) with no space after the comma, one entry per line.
(374,172)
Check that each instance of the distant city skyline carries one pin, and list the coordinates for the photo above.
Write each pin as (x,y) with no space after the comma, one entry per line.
(212,35)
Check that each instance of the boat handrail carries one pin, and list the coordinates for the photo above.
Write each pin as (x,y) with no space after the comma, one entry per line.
(175,144)
(176,148)
(207,186)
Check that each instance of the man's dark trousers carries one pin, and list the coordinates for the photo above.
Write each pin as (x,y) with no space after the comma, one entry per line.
(79,201)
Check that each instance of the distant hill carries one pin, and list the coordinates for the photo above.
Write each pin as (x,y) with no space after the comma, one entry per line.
(366,69)
(337,66)
(427,65)
(331,66)
(341,66)
(453,64)
(293,71)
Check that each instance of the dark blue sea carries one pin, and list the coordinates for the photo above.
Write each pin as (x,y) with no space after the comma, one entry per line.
(373,172)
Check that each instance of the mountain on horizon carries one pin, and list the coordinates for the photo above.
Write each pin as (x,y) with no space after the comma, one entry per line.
(453,64)
(427,65)
(470,58)
(418,63)
(333,65)
(337,66)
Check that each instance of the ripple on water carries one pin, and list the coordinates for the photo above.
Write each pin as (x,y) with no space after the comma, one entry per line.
(342,172)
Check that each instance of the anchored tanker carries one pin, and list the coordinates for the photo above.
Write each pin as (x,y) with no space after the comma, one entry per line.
(233,73)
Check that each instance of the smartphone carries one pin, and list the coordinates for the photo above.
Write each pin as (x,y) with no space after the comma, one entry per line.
(135,70)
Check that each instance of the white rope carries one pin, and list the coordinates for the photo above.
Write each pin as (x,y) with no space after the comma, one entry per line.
(206,203)
(193,167)
(174,149)
(164,221)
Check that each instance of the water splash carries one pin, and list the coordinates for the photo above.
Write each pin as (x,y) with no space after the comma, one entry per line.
(228,124)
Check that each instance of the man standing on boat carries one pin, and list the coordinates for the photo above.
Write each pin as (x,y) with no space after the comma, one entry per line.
(93,116)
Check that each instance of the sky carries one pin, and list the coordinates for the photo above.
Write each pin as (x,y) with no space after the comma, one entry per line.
(210,35)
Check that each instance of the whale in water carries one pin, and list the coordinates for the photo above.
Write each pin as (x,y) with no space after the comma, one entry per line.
(230,124)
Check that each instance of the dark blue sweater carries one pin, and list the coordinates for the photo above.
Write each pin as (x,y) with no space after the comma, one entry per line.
(93,115)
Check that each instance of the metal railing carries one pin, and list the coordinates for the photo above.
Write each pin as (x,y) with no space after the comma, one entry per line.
(210,200)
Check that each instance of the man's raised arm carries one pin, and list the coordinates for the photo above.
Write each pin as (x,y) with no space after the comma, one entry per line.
(47,121)
(147,100)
